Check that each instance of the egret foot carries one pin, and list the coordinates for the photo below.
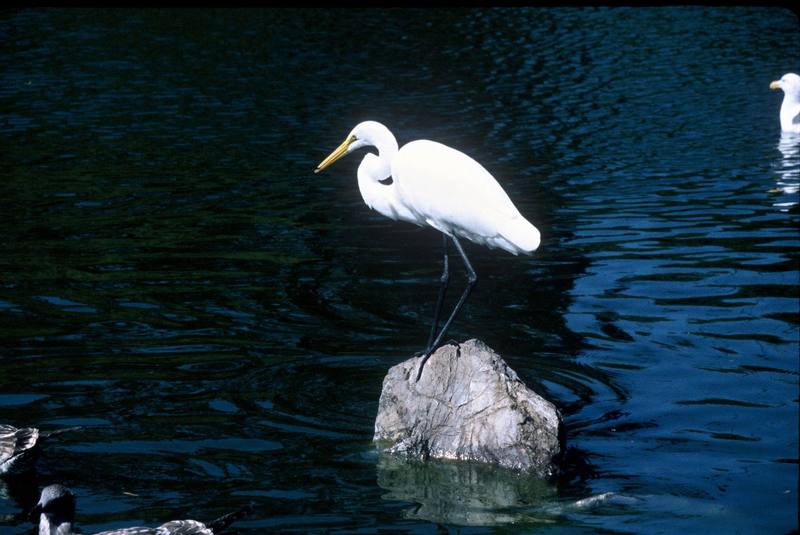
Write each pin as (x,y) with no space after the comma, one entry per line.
(428,352)
(454,342)
(422,364)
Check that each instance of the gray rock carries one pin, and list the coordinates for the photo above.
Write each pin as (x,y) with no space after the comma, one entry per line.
(468,405)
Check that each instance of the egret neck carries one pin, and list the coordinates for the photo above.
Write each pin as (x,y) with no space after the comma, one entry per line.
(381,197)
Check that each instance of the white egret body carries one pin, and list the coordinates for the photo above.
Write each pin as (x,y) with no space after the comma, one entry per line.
(435,185)
(790,107)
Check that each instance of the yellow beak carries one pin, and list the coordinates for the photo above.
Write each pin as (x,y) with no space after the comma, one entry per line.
(340,151)
(775,85)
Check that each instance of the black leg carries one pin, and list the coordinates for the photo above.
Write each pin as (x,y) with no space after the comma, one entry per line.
(472,278)
(440,300)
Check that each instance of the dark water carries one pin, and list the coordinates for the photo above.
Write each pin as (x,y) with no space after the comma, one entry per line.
(174,279)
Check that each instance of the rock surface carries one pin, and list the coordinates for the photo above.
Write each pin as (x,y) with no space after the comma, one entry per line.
(468,405)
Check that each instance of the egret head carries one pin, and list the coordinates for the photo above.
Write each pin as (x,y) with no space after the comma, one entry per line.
(789,82)
(367,133)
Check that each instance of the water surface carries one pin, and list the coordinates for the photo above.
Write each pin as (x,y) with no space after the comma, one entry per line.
(176,280)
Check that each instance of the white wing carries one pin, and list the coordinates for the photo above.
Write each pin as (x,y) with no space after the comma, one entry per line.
(456,195)
(453,192)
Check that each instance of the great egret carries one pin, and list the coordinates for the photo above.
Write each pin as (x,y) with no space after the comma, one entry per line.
(427,183)
(790,107)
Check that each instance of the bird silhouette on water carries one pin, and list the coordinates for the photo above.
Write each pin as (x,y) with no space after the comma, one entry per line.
(56,512)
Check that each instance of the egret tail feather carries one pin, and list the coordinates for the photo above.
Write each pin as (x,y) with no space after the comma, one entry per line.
(521,234)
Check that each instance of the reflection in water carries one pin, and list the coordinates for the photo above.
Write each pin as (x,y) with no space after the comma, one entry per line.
(788,170)
(473,494)
(465,494)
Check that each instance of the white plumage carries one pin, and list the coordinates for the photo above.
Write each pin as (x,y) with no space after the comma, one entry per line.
(435,185)
(454,194)
(790,107)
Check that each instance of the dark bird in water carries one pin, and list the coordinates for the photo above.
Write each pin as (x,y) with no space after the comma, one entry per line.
(56,512)
(19,448)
